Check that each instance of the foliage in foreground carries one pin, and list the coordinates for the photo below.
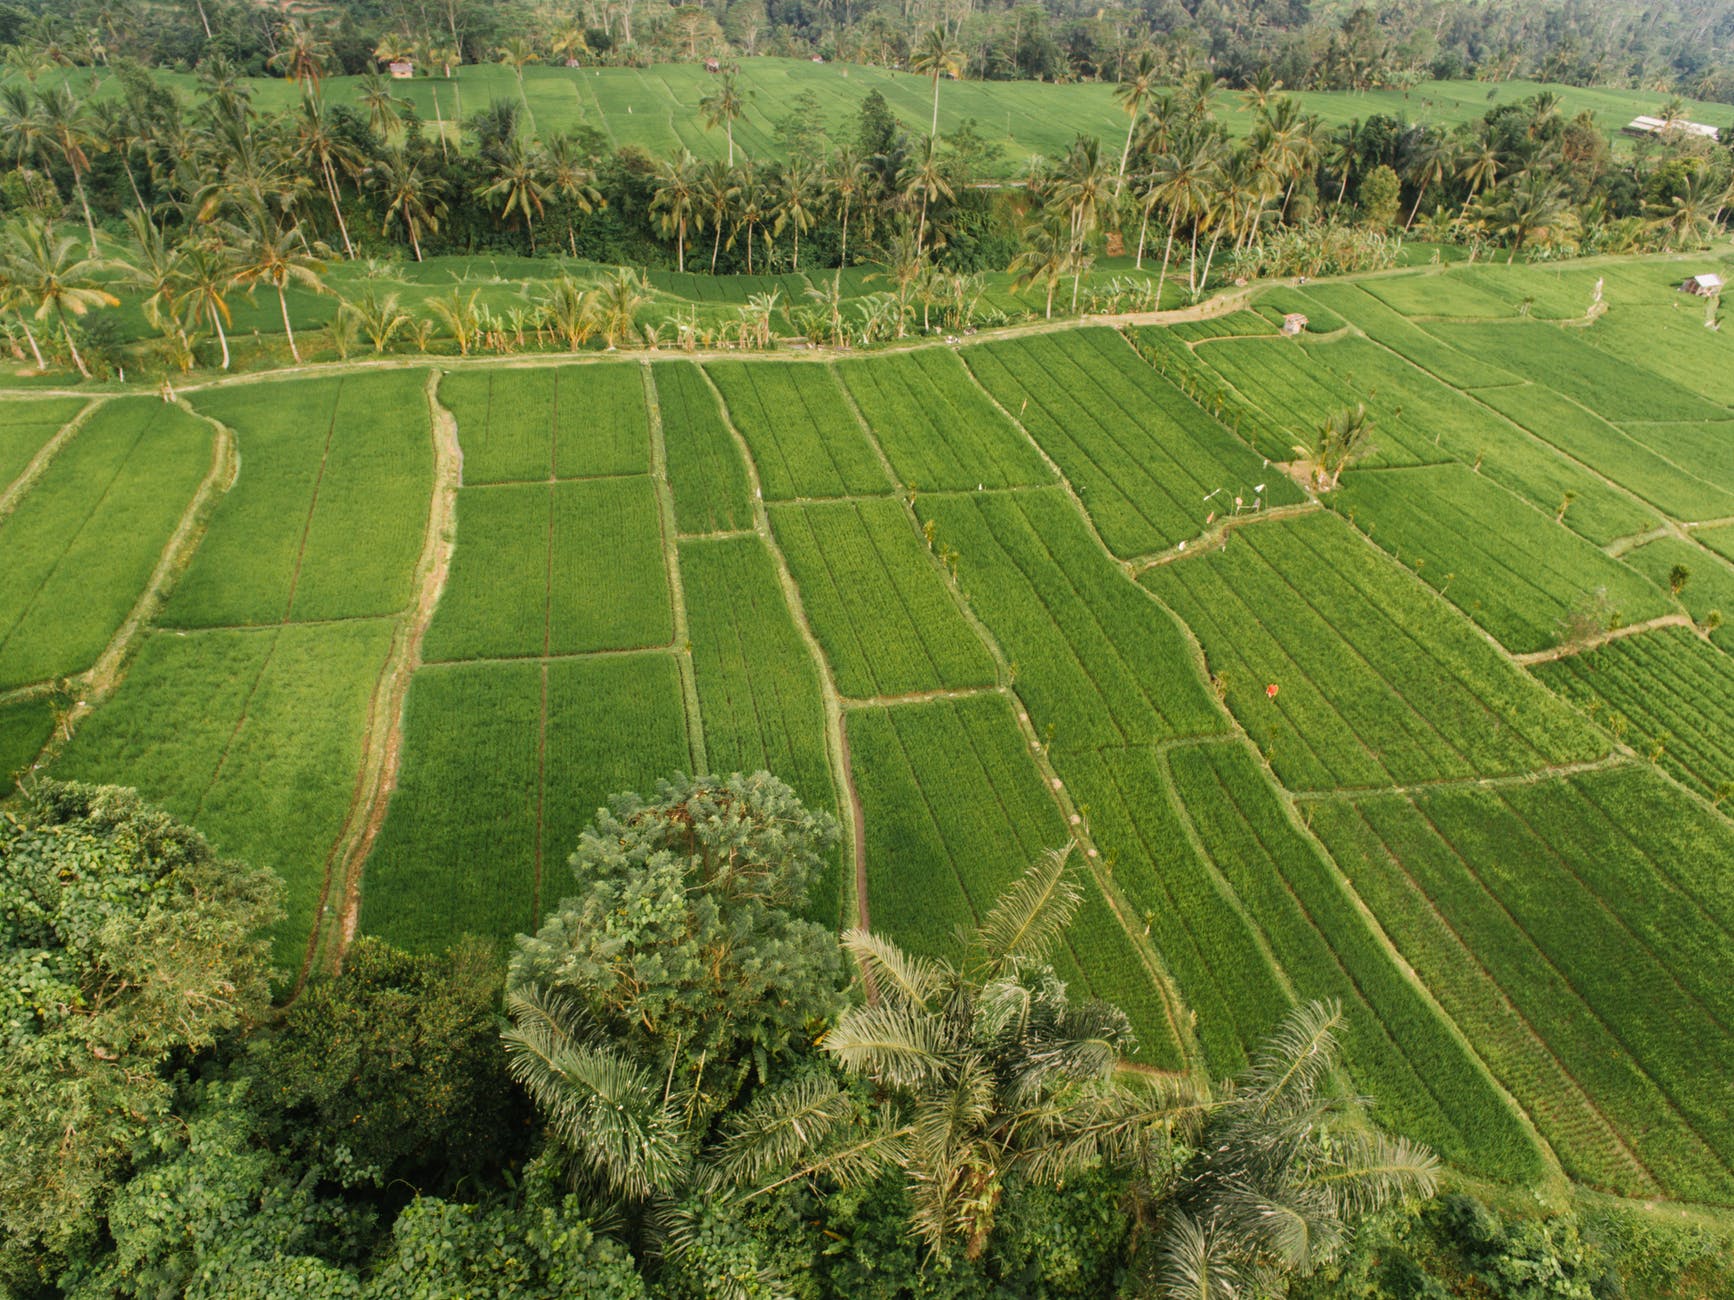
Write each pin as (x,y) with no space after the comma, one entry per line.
(967,1131)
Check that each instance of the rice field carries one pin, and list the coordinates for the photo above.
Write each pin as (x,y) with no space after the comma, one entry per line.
(979,601)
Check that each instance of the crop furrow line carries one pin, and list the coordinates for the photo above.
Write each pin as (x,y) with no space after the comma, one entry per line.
(1594,1110)
(45,454)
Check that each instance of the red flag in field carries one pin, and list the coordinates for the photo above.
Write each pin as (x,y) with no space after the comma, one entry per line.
(1270,691)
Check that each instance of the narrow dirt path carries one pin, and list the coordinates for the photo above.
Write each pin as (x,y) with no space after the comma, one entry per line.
(382,746)
(842,781)
(1566,651)
(671,538)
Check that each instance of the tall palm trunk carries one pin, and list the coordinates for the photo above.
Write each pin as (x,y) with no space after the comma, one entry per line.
(84,202)
(35,351)
(222,338)
(1167,249)
(679,247)
(336,208)
(1125,154)
(66,333)
(843,255)
(935,131)
(1412,211)
(716,245)
(1143,230)
(288,329)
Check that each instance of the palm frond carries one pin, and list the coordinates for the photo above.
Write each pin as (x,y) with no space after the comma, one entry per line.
(1197,1262)
(602,1106)
(1366,1170)
(889,1044)
(1293,1061)
(1033,911)
(894,973)
(780,1128)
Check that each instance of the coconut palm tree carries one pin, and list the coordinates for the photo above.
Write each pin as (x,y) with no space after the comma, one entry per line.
(517,185)
(45,276)
(1081,186)
(718,189)
(1282,1169)
(1343,438)
(413,197)
(1686,220)
(1137,85)
(302,53)
(1045,256)
(675,201)
(319,143)
(796,192)
(1344,153)
(924,175)
(206,279)
(1428,162)
(571,177)
(267,253)
(997,1072)
(66,127)
(154,266)
(937,55)
(722,107)
(384,109)
(845,177)
(1185,180)
(1532,205)
(752,210)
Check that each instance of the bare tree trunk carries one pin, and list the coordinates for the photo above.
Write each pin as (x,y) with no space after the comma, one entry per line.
(1125,154)
(204,21)
(288,329)
(439,123)
(716,246)
(222,338)
(1412,211)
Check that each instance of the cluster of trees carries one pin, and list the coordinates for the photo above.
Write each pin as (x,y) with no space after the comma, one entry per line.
(710,1105)
(1685,45)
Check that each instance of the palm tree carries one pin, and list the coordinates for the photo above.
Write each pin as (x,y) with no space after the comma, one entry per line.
(618,299)
(936,54)
(207,276)
(1427,166)
(1186,180)
(1344,153)
(924,174)
(1685,220)
(1531,206)
(384,109)
(43,274)
(1343,438)
(459,314)
(797,190)
(675,201)
(67,127)
(1481,164)
(722,107)
(155,266)
(301,53)
(845,177)
(515,53)
(267,253)
(569,42)
(1046,255)
(997,1072)
(318,142)
(719,187)
(1280,1172)
(412,196)
(751,211)
(1136,86)
(517,185)
(571,177)
(1080,186)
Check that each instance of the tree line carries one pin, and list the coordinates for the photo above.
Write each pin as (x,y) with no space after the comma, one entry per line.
(178,205)
(1681,47)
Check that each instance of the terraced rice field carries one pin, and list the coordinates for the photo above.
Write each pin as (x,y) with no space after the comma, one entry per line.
(1447,744)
